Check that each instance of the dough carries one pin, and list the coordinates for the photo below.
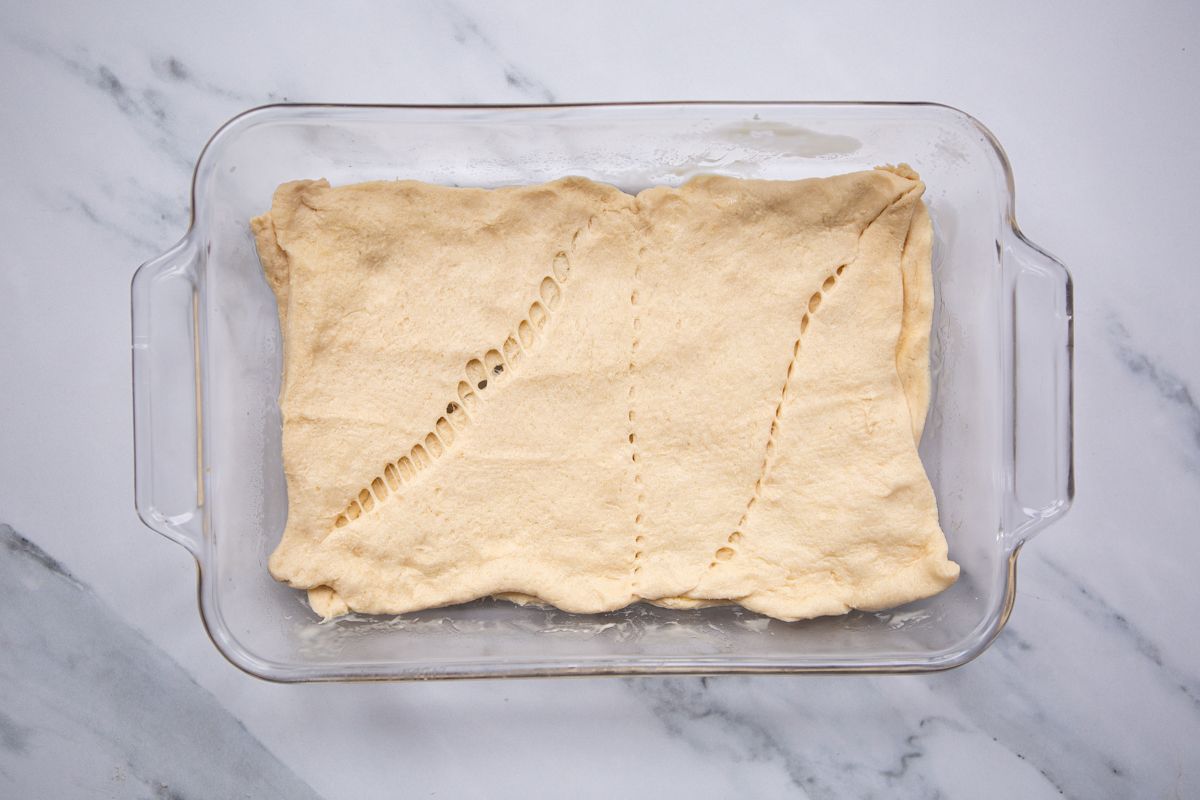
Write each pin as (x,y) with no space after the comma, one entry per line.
(842,469)
(567,394)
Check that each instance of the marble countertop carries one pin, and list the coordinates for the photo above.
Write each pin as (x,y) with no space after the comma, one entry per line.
(108,685)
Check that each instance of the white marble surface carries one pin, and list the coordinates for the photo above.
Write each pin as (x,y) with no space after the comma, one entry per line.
(108,686)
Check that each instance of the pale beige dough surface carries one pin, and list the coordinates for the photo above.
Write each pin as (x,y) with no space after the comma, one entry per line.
(843,516)
(648,428)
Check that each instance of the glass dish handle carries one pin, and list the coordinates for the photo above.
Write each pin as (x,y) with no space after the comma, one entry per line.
(1042,478)
(168,492)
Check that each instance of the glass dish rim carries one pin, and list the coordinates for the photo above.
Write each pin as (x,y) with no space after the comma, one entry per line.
(288,672)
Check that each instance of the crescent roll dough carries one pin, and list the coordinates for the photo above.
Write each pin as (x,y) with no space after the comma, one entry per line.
(567,394)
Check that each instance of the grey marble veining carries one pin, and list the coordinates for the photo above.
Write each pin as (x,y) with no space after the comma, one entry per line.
(145,107)
(1172,389)
(467,33)
(110,686)
(88,702)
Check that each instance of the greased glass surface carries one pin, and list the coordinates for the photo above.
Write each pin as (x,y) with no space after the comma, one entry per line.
(207,366)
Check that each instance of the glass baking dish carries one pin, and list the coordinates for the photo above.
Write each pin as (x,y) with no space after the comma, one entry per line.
(206,369)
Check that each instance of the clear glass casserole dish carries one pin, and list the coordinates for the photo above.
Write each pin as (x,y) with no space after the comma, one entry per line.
(206,369)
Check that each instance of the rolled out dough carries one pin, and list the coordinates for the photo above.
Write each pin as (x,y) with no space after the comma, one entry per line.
(703,394)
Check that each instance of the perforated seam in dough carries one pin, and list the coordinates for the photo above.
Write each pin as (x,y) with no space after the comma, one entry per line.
(728,550)
(634,452)
(495,365)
